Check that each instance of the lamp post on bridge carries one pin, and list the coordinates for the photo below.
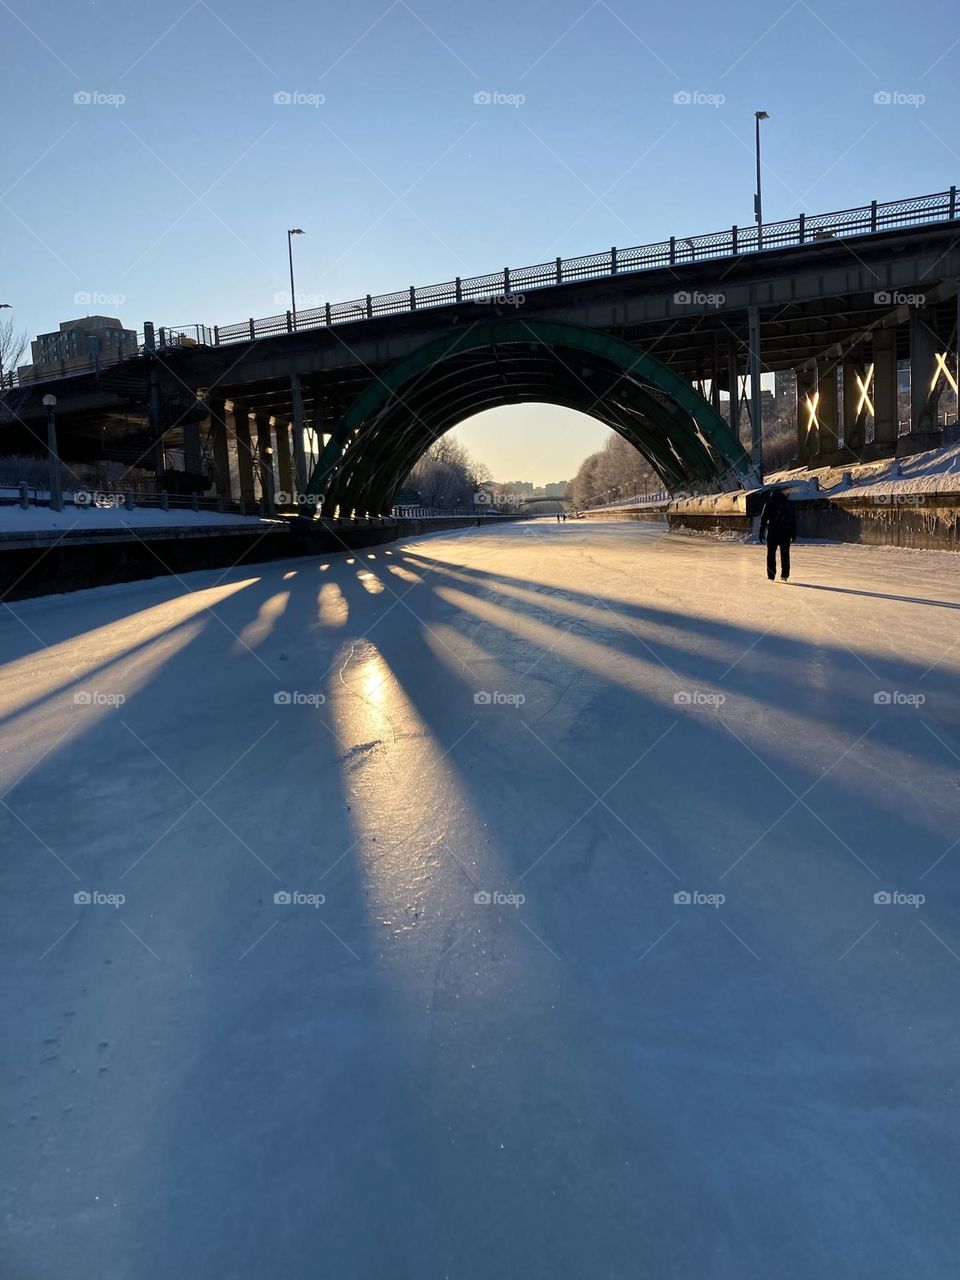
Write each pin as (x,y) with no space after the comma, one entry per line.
(292,231)
(53,459)
(758,198)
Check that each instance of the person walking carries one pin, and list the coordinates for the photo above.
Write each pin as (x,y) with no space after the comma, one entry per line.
(778,528)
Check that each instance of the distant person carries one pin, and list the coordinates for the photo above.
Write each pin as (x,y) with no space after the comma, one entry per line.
(558,517)
(778,528)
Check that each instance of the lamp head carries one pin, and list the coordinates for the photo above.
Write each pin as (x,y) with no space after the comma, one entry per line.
(49,400)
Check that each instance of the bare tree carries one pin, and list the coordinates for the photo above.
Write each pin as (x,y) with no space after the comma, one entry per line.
(13,343)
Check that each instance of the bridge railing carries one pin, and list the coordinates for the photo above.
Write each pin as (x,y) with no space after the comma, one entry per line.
(510,283)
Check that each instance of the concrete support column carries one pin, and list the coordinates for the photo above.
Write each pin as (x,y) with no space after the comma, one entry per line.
(220,447)
(241,429)
(808,442)
(756,400)
(192,457)
(827,406)
(854,419)
(924,388)
(283,459)
(885,414)
(733,378)
(299,425)
(154,419)
(264,453)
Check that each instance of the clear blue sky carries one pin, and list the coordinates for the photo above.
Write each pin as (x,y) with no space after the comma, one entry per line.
(178,199)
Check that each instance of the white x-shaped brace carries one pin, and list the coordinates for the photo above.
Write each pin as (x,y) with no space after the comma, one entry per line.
(811,400)
(864,386)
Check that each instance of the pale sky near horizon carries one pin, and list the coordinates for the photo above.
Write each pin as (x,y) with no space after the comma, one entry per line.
(150,171)
(538,442)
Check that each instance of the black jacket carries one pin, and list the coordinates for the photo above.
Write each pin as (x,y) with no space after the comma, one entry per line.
(778,517)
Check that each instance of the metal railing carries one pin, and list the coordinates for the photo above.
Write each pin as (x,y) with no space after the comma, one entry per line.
(510,284)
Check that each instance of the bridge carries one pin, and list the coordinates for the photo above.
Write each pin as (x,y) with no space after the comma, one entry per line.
(338,403)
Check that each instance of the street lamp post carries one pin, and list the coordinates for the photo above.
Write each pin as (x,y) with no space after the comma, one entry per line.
(4,306)
(56,493)
(758,200)
(293,231)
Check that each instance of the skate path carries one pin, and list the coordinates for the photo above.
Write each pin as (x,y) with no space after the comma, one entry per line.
(584,1076)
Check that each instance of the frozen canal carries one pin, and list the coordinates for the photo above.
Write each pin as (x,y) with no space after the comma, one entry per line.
(586,1077)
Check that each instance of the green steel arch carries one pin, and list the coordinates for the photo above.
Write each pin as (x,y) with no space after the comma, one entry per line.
(513,361)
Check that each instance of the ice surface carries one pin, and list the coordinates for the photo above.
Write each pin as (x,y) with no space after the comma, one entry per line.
(402,1081)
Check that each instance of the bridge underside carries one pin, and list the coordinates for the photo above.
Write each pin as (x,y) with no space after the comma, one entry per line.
(506,362)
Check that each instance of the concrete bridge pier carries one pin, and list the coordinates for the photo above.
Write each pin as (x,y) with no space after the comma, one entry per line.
(808,445)
(264,455)
(241,431)
(281,434)
(924,386)
(827,415)
(854,407)
(885,414)
(219,446)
